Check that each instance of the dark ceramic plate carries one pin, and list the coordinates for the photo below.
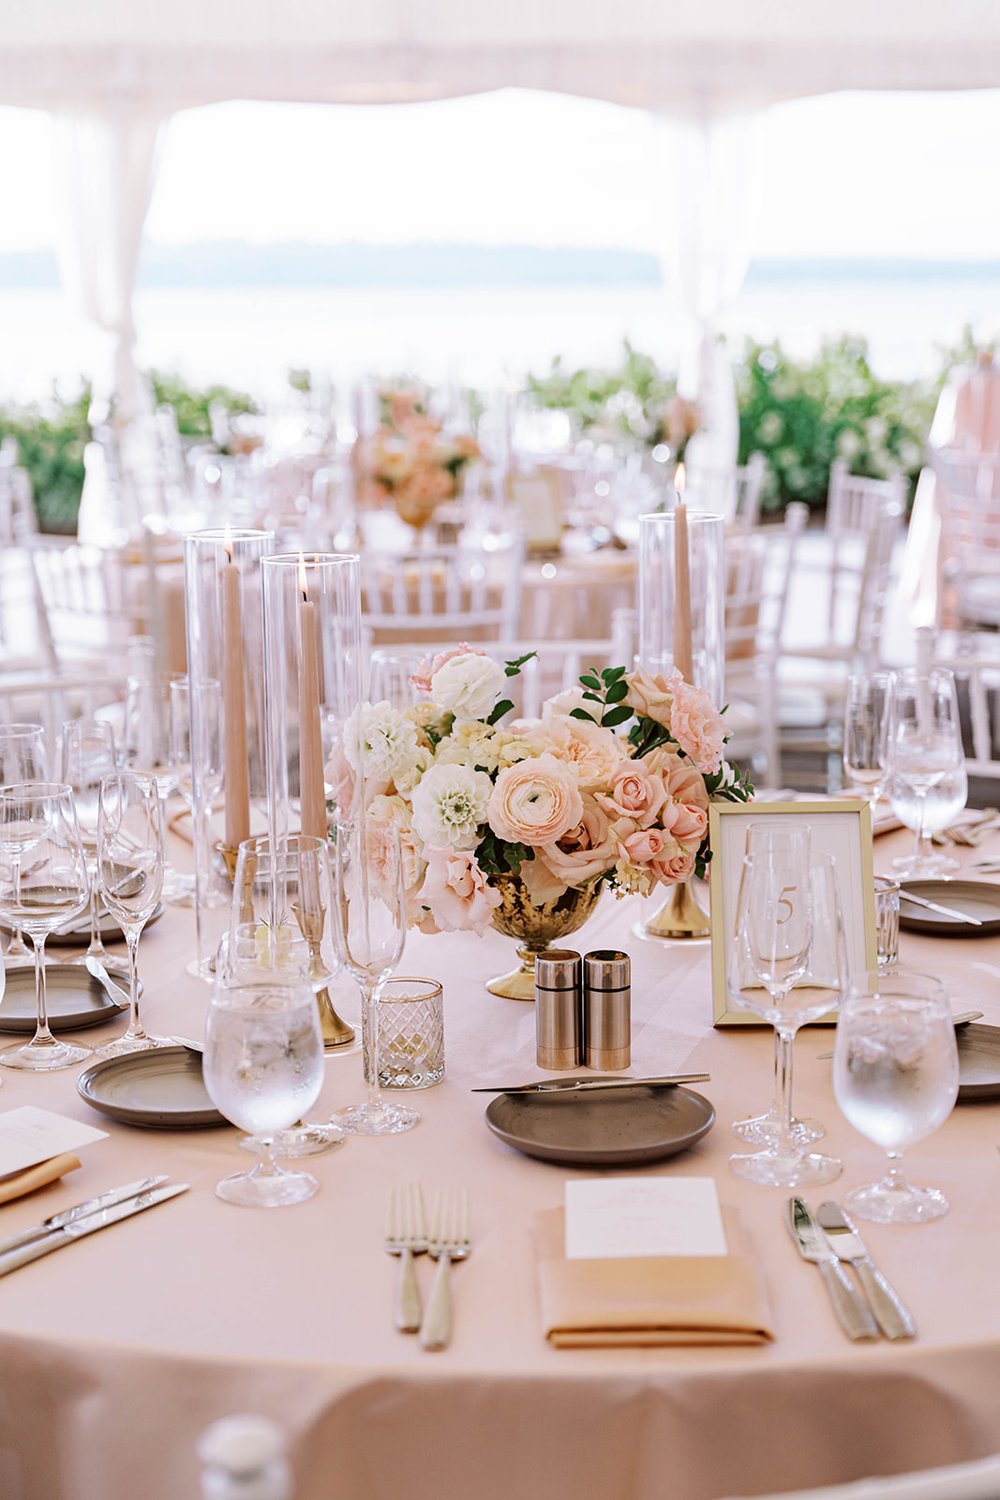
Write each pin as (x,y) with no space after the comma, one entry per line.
(977,897)
(601,1130)
(162,1089)
(75,999)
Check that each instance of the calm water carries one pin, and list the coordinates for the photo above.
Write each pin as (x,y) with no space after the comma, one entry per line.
(250,335)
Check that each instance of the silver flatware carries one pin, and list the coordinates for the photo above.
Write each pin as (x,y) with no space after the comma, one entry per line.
(90,1223)
(448,1240)
(118,994)
(592,1085)
(963,1018)
(406,1236)
(79,1211)
(853,1315)
(891,1313)
(942,911)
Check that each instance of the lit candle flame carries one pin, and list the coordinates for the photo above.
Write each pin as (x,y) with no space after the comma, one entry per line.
(679,482)
(302,576)
(228,542)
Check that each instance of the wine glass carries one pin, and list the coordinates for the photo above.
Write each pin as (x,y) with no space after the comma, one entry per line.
(390,671)
(88,755)
(281,895)
(370,930)
(22,758)
(180,753)
(146,752)
(43,884)
(776,835)
(866,733)
(263,1067)
(895,1075)
(130,874)
(927,780)
(787,965)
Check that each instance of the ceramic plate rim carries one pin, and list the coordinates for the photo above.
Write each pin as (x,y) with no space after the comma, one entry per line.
(129,1115)
(624,1156)
(930,926)
(74,1020)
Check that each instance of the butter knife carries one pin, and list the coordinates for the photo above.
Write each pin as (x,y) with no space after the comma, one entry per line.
(88,1224)
(853,1315)
(891,1313)
(942,911)
(591,1085)
(79,1211)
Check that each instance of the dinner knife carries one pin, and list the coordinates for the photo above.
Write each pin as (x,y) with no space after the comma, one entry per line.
(89,1224)
(79,1211)
(853,1315)
(942,911)
(591,1085)
(891,1313)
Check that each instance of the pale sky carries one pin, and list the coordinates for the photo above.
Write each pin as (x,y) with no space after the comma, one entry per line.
(845,175)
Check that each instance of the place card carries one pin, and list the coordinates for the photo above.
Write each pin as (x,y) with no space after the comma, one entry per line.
(29,1135)
(611,1218)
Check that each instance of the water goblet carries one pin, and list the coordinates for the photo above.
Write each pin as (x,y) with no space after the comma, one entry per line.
(22,758)
(787,965)
(927,780)
(88,755)
(370,930)
(775,835)
(895,1075)
(38,825)
(263,1067)
(130,874)
(866,733)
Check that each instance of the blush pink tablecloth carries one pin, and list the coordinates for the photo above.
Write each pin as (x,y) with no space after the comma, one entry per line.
(115,1354)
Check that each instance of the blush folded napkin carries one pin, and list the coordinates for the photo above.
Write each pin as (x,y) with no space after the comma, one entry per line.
(649,1300)
(19,1184)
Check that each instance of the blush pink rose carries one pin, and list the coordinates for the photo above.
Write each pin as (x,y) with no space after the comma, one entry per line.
(672,868)
(421,678)
(696,724)
(645,845)
(683,781)
(634,793)
(650,695)
(457,892)
(535,802)
(686,822)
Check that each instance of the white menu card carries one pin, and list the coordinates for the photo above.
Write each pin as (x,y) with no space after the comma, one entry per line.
(29,1135)
(612,1217)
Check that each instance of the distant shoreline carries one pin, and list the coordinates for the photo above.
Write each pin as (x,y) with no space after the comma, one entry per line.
(240,264)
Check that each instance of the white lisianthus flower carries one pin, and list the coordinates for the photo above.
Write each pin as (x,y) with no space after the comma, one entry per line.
(380,743)
(468,685)
(449,804)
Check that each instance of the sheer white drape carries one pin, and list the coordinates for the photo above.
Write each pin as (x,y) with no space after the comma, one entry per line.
(709,163)
(109,161)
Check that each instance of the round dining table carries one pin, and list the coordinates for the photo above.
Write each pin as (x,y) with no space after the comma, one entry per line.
(118,1351)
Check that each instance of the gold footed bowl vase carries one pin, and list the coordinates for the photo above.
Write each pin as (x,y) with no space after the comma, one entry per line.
(535,927)
(680,918)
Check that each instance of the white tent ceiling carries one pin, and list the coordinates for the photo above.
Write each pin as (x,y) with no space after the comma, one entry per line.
(666,55)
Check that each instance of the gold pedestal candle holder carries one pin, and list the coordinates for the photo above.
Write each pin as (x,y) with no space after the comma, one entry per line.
(536,925)
(681,918)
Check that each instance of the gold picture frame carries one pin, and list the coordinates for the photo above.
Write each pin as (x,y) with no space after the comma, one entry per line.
(844,826)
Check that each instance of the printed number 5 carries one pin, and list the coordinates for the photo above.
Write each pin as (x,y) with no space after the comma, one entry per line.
(785,902)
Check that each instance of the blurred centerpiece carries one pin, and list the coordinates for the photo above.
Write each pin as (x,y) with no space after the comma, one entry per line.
(410,461)
(520,824)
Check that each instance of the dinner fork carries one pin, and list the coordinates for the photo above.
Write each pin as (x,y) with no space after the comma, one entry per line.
(406,1236)
(449,1240)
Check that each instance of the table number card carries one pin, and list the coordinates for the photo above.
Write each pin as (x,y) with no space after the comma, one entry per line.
(609,1218)
(29,1135)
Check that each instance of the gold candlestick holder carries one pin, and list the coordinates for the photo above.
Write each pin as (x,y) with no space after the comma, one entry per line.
(681,918)
(337,1032)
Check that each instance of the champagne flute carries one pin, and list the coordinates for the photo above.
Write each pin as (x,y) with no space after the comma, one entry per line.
(22,758)
(130,873)
(263,1067)
(927,781)
(778,835)
(895,1075)
(88,755)
(38,822)
(370,931)
(866,733)
(146,753)
(180,754)
(787,965)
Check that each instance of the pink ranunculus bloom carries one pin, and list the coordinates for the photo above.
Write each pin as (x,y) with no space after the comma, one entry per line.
(593,751)
(421,678)
(584,852)
(696,724)
(457,892)
(634,792)
(535,802)
(650,695)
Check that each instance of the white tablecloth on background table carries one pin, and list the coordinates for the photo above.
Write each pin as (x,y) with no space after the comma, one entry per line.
(118,1351)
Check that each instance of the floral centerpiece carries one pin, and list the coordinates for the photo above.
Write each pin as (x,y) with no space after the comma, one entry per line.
(609,787)
(409,461)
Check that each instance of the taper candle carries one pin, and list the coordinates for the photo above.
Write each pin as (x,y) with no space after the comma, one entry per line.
(237,766)
(682,583)
(312,789)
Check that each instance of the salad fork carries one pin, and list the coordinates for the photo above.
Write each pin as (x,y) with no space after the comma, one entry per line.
(406,1236)
(449,1240)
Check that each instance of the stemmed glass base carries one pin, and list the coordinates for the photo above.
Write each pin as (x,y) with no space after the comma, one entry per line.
(925,866)
(895,1201)
(309,1139)
(375,1117)
(785,1169)
(43,1054)
(266,1186)
(764,1130)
